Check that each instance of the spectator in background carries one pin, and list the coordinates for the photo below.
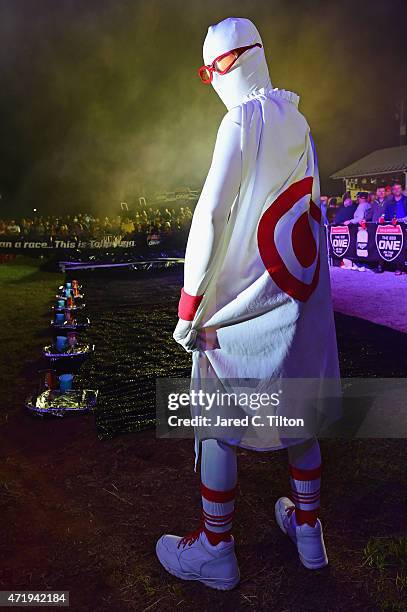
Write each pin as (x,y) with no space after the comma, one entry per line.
(107,226)
(37,229)
(166,230)
(13,228)
(63,230)
(379,204)
(396,206)
(139,235)
(171,223)
(332,207)
(76,228)
(363,210)
(324,209)
(127,226)
(378,208)
(346,211)
(388,191)
(371,197)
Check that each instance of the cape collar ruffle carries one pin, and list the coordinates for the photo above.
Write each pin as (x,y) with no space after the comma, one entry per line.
(274,93)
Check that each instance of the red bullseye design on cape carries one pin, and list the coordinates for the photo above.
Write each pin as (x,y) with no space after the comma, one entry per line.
(303,242)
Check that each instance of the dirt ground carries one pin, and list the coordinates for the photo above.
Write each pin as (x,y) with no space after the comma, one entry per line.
(83,514)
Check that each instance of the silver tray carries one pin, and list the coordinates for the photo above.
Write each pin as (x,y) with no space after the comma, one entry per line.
(58,403)
(61,296)
(71,326)
(62,308)
(79,350)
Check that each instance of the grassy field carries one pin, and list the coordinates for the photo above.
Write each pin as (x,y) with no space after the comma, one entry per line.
(26,294)
(83,515)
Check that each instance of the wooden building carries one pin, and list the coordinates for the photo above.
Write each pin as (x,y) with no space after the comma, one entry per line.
(381,166)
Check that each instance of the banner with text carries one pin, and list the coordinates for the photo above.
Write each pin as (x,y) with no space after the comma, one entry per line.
(373,243)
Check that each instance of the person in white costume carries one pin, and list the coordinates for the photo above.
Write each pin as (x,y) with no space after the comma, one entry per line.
(256,301)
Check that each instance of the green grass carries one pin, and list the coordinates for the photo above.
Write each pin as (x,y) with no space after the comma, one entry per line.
(383,553)
(371,569)
(387,558)
(26,294)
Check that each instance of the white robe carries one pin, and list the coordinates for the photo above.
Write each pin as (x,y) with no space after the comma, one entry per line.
(256,248)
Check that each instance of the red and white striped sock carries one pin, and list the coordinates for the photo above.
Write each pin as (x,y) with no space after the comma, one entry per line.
(305,492)
(218,509)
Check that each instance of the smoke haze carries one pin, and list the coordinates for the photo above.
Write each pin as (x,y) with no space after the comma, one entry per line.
(100,100)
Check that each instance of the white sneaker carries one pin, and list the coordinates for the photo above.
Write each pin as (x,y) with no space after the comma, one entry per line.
(309,540)
(194,558)
(362,269)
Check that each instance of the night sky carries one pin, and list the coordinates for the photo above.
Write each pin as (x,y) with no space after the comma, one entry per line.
(100,100)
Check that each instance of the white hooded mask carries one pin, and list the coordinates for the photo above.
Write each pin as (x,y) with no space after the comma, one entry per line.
(249,74)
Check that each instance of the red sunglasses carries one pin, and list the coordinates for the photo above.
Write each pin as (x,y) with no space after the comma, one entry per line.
(223,63)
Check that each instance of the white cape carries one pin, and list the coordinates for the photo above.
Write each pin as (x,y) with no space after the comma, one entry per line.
(266,312)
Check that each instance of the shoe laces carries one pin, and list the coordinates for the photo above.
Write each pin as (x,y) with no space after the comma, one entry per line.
(191,537)
(289,511)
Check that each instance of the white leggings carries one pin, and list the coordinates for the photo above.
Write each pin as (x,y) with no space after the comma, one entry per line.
(219,465)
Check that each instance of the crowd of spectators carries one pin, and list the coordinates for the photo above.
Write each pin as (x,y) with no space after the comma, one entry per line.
(149,226)
(386,204)
(143,225)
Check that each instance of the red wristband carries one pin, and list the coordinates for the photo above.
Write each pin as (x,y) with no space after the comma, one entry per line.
(188,305)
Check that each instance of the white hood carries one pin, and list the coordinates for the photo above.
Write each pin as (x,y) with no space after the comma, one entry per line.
(249,74)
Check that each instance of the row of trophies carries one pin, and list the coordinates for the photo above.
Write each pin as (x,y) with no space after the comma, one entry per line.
(58,395)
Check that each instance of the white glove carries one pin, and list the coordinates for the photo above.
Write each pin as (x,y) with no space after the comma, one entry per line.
(185,336)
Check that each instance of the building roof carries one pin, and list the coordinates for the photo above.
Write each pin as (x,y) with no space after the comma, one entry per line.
(382,161)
